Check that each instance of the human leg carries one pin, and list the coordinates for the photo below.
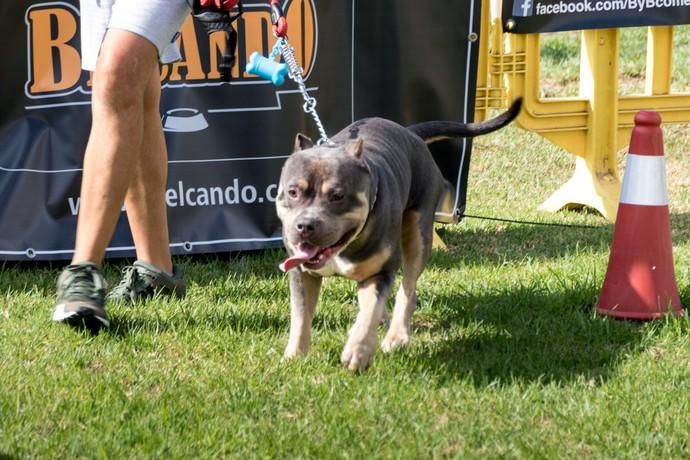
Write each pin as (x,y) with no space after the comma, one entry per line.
(120,83)
(116,139)
(145,198)
(126,145)
(153,272)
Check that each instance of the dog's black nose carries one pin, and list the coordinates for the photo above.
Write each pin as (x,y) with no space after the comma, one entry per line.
(305,227)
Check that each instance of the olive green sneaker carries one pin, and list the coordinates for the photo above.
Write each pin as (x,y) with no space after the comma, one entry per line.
(142,281)
(81,297)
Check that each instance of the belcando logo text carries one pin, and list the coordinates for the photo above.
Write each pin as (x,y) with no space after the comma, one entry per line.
(54,67)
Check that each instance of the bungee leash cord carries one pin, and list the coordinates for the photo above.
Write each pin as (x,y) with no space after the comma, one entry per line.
(295,73)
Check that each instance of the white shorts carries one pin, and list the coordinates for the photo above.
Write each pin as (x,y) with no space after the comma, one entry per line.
(158,21)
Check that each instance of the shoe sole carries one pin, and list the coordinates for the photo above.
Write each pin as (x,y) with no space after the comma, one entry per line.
(84,318)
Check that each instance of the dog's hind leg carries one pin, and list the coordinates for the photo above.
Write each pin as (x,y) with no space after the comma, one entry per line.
(361,342)
(416,249)
(304,294)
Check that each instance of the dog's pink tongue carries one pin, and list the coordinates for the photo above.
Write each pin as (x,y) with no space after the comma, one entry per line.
(303,253)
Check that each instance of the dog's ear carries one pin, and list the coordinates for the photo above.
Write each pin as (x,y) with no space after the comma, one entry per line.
(354,148)
(302,142)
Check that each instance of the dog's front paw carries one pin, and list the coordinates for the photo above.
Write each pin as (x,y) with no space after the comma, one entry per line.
(358,356)
(293,352)
(395,340)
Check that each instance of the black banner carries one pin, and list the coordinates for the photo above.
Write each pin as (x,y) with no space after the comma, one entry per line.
(226,141)
(537,16)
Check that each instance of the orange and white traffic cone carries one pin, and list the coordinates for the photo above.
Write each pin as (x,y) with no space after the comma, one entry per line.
(640,281)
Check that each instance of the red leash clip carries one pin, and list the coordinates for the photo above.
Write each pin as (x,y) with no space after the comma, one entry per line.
(278,20)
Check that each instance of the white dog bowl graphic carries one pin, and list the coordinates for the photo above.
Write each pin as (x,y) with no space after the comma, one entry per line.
(184,121)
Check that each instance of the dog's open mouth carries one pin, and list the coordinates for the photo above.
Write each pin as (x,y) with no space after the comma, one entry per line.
(314,257)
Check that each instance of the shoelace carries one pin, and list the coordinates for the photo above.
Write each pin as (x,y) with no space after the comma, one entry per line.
(85,282)
(131,283)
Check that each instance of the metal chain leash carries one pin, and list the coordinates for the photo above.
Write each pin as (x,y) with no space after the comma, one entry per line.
(295,72)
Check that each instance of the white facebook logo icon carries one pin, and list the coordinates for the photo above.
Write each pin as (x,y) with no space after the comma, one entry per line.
(522,8)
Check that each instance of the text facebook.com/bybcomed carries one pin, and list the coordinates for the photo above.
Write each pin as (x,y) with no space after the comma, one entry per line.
(181,195)
(599,6)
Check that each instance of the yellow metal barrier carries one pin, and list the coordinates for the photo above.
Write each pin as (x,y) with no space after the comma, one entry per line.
(593,126)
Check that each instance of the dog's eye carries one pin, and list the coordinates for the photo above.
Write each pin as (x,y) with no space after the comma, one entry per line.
(336,196)
(293,192)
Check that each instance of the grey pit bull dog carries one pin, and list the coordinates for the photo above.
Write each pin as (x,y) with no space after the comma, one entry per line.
(359,208)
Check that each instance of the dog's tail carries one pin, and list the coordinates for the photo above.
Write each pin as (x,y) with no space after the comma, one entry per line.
(432,131)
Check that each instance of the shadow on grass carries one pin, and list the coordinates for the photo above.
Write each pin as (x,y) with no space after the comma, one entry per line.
(221,320)
(512,241)
(525,336)
(127,323)
(124,324)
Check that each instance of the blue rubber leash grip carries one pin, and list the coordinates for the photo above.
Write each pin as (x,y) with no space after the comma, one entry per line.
(267,68)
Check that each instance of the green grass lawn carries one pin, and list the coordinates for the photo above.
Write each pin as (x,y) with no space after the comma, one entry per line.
(508,359)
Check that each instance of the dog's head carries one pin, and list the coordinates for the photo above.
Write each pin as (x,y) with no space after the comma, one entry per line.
(324,199)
